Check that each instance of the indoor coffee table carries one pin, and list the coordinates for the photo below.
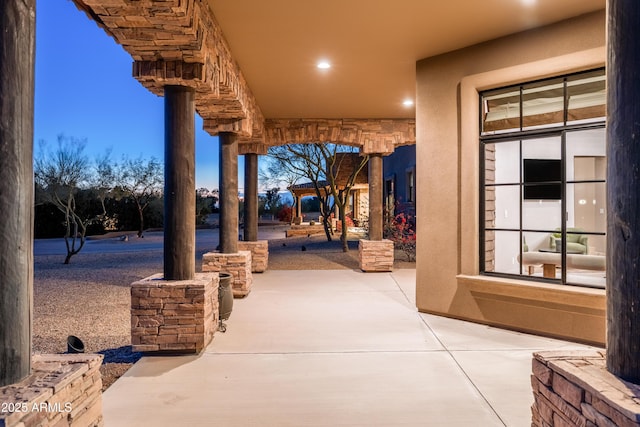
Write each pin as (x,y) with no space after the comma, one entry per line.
(550,264)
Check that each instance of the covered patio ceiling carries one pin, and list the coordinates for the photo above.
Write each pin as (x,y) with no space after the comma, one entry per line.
(372,45)
(253,63)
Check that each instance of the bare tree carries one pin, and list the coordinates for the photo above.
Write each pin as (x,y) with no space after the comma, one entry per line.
(272,201)
(60,173)
(142,181)
(341,176)
(326,166)
(102,179)
(205,204)
(294,162)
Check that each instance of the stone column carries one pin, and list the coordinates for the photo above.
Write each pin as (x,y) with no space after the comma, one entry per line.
(228,193)
(623,216)
(250,197)
(17,52)
(179,183)
(375,197)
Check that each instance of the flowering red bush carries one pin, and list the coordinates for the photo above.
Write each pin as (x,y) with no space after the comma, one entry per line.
(285,214)
(400,230)
(348,220)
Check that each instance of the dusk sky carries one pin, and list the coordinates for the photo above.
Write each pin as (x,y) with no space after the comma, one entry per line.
(84,89)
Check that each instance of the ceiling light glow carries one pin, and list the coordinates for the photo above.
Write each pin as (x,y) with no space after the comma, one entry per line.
(407,102)
(323,65)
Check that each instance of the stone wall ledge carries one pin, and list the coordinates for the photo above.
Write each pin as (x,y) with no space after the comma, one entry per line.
(575,388)
(62,390)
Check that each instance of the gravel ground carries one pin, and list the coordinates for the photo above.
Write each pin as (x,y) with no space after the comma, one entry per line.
(90,298)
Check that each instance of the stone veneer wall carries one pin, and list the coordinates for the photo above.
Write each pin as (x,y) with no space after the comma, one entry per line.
(237,264)
(375,255)
(62,390)
(259,254)
(174,315)
(573,388)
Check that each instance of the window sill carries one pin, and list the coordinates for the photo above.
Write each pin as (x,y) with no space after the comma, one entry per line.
(547,293)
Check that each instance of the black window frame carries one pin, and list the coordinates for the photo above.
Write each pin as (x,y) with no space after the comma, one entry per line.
(520,135)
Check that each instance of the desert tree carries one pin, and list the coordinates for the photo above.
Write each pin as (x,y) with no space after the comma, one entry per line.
(293,163)
(205,203)
(330,169)
(60,174)
(341,174)
(140,180)
(272,201)
(101,183)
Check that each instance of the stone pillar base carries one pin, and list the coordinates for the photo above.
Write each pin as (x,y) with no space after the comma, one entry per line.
(574,388)
(375,255)
(259,254)
(174,315)
(63,389)
(238,265)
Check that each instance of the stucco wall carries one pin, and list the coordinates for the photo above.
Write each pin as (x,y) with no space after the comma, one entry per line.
(447,181)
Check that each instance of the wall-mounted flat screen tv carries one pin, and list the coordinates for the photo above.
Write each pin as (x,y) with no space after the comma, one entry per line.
(542,179)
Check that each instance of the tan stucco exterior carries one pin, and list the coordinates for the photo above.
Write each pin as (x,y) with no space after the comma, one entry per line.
(447,180)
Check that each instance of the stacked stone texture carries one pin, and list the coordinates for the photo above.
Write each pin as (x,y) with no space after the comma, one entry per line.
(176,315)
(237,264)
(372,135)
(573,388)
(259,254)
(62,390)
(376,255)
(167,35)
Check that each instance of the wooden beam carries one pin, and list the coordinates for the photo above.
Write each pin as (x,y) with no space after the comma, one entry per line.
(250,197)
(376,184)
(228,193)
(623,181)
(179,185)
(17,52)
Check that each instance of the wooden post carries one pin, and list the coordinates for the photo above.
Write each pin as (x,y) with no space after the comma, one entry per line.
(623,182)
(17,52)
(375,197)
(250,197)
(179,184)
(228,193)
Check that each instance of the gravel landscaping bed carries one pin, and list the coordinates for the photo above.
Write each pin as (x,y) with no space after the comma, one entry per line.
(90,299)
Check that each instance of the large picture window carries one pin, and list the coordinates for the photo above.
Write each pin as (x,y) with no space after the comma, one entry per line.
(543,183)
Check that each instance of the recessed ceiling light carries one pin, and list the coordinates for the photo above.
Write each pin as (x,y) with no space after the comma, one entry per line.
(407,102)
(323,65)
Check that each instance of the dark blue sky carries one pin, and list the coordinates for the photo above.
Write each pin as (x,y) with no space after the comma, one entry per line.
(84,89)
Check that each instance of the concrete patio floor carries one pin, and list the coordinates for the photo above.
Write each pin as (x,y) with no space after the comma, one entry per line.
(336,348)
